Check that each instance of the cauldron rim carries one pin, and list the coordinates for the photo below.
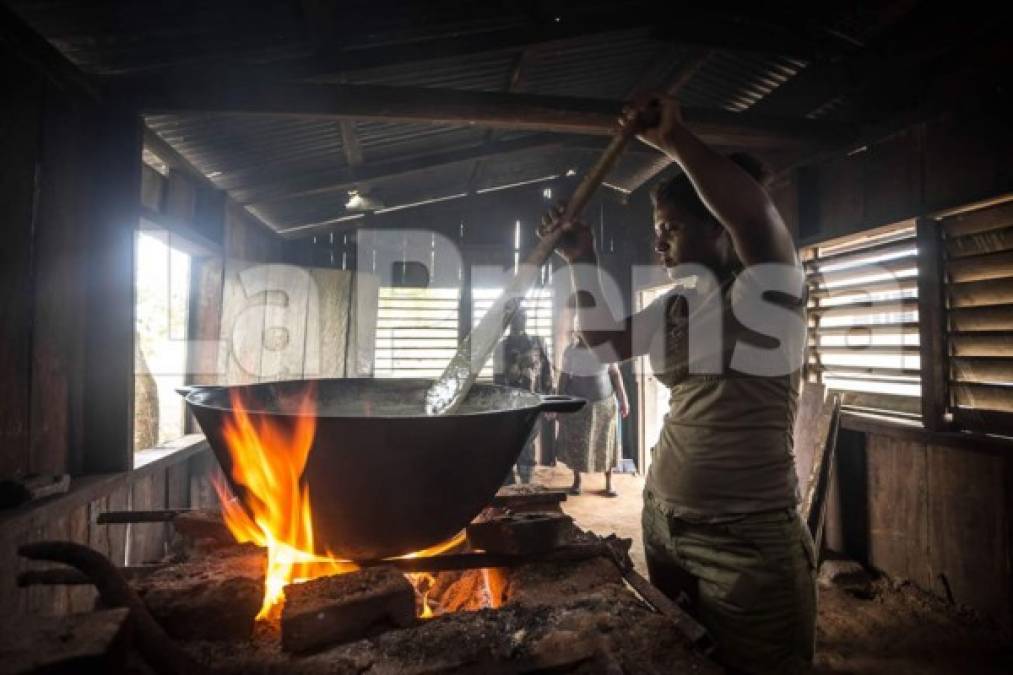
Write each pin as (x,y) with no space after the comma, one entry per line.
(196,396)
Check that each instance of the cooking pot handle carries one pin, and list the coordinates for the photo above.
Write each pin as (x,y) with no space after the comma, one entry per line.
(561,403)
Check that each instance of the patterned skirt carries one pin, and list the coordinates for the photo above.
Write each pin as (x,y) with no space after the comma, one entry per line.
(587,439)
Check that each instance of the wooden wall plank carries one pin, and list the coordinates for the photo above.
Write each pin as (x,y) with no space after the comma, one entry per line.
(109,344)
(329,331)
(248,239)
(961,161)
(180,196)
(19,136)
(942,164)
(205,320)
(177,486)
(898,508)
(892,179)
(56,599)
(72,517)
(98,535)
(242,322)
(362,337)
(969,528)
(203,469)
(937,515)
(119,500)
(285,317)
(153,189)
(80,598)
(842,201)
(12,598)
(61,286)
(147,540)
(37,599)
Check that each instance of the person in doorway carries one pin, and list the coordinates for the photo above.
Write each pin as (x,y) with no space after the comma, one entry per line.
(588,439)
(721,528)
(520,361)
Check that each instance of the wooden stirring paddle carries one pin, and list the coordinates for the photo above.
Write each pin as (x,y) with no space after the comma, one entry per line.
(446,393)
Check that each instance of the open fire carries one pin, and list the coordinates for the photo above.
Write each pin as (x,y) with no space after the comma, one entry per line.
(268,460)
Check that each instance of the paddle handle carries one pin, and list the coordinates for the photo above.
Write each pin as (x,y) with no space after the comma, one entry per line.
(447,393)
(582,195)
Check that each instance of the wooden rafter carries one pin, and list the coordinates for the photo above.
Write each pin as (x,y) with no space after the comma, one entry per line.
(350,143)
(514,84)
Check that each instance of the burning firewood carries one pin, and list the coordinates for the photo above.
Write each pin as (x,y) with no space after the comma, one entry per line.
(205,527)
(344,607)
(521,533)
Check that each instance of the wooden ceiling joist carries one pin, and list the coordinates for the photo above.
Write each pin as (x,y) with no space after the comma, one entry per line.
(350,143)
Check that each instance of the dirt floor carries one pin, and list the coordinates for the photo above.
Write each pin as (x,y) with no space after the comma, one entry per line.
(896,628)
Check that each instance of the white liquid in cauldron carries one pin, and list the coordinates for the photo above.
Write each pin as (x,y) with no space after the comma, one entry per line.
(366,398)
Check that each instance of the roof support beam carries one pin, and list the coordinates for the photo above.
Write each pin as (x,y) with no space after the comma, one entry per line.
(514,84)
(350,143)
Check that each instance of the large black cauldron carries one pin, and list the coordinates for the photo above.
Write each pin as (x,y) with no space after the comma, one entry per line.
(385,479)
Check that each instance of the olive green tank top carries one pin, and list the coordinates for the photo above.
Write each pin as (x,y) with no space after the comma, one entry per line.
(726,444)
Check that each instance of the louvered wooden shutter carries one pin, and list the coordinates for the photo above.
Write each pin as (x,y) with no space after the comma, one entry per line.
(863,320)
(977,256)
(416,331)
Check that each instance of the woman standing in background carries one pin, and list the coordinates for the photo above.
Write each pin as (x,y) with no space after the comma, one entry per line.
(588,439)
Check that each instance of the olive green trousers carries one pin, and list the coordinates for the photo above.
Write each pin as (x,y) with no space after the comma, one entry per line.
(750,580)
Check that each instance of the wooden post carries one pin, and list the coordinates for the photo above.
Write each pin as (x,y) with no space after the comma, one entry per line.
(932,325)
(109,340)
(19,137)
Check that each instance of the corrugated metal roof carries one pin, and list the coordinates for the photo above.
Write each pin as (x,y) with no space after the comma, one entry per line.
(605,66)
(259,160)
(479,72)
(384,140)
(511,170)
(117,37)
(235,150)
(633,170)
(736,82)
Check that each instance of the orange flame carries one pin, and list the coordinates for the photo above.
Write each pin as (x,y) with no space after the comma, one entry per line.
(268,460)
